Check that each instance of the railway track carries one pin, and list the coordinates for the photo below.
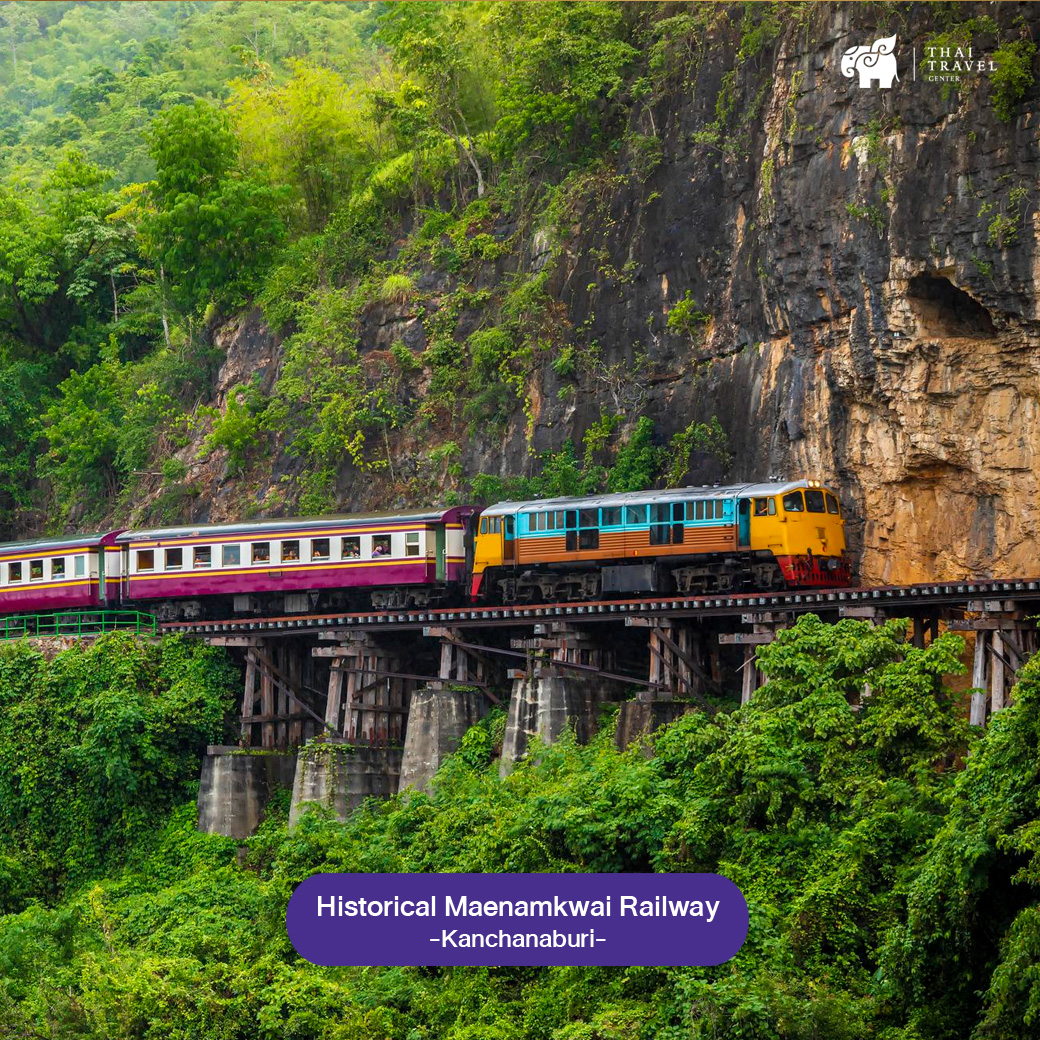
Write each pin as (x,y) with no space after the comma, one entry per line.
(988,594)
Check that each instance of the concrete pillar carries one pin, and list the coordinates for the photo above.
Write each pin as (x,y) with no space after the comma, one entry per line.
(341,776)
(543,705)
(437,721)
(640,718)
(236,785)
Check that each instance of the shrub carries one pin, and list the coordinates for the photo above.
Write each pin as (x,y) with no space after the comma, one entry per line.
(396,288)
(686,318)
(1012,77)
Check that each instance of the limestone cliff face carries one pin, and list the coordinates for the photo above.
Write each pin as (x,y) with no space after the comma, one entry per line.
(868,262)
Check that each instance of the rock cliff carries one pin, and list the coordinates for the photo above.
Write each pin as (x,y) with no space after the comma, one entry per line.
(865,263)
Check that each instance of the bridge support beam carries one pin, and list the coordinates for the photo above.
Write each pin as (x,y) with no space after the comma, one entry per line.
(764,629)
(368,692)
(279,703)
(342,775)
(1004,641)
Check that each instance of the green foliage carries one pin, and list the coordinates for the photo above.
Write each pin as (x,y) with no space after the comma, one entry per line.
(214,230)
(826,817)
(239,429)
(396,288)
(95,744)
(686,318)
(1012,77)
(638,460)
(709,438)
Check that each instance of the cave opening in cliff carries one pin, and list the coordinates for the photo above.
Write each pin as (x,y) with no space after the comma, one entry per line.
(944,310)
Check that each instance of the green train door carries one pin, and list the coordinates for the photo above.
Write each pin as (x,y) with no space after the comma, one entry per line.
(442,554)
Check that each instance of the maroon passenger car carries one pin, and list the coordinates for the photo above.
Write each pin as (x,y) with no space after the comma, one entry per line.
(59,574)
(295,565)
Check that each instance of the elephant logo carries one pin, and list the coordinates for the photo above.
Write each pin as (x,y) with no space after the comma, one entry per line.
(876,62)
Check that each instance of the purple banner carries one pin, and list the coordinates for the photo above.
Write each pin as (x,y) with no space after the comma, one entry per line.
(517,919)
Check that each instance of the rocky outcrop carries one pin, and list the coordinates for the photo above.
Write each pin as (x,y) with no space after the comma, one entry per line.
(867,260)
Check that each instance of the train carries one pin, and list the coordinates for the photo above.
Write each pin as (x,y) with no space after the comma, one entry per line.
(764,536)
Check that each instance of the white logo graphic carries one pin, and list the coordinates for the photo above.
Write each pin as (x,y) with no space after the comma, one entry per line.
(876,62)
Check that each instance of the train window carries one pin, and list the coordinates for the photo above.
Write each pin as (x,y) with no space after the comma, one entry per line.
(58,567)
(635,514)
(588,518)
(561,519)
(588,538)
(174,559)
(793,503)
(695,511)
(320,549)
(352,547)
(79,566)
(230,555)
(261,552)
(381,545)
(483,525)
(145,560)
(761,506)
(14,574)
(832,505)
(290,551)
(411,541)
(202,557)
(496,527)
(610,517)
(36,570)
(660,517)
(814,501)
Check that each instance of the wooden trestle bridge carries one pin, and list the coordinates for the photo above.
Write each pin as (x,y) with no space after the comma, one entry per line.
(351,675)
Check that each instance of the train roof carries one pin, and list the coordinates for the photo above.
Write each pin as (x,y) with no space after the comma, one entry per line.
(80,541)
(641,497)
(288,524)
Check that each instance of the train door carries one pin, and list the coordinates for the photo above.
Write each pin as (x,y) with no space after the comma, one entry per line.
(442,553)
(509,539)
(571,524)
(743,523)
(101,575)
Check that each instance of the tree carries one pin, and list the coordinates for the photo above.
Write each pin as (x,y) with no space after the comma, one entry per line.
(312,133)
(436,43)
(213,230)
(20,25)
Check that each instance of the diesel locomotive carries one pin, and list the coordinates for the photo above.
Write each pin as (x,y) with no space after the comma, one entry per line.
(689,540)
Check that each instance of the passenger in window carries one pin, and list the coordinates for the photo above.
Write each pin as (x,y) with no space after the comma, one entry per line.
(353,551)
(761,506)
(381,547)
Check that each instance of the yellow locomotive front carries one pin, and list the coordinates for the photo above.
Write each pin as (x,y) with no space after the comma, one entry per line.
(801,526)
